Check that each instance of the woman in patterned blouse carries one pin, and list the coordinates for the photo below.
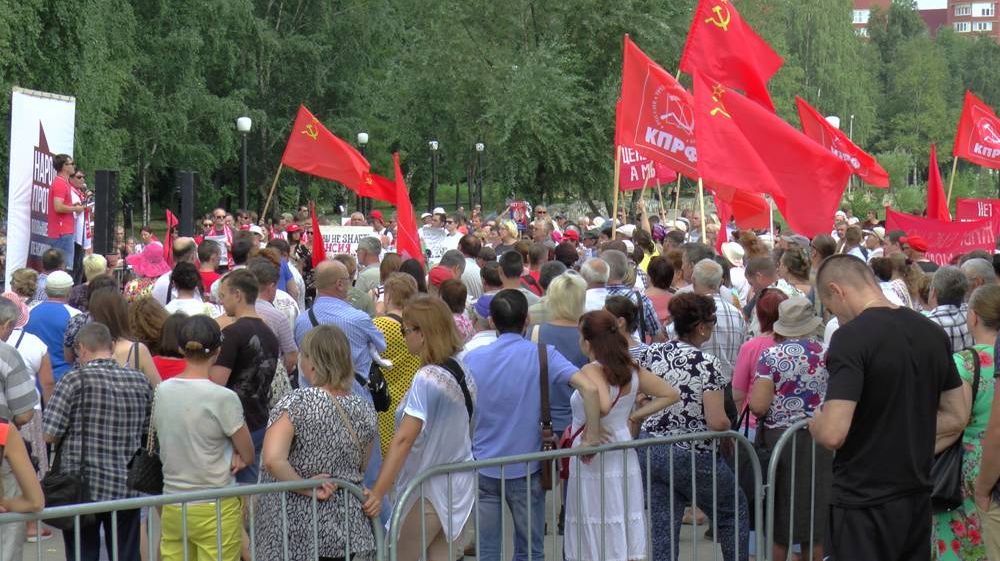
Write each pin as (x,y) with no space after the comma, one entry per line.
(673,467)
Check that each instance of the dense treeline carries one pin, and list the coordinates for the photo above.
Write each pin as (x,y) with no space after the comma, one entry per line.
(159,84)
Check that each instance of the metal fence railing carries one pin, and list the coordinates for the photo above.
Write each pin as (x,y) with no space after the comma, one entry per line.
(699,470)
(791,490)
(737,450)
(188,500)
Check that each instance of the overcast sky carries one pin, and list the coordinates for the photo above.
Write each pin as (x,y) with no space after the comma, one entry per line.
(926,4)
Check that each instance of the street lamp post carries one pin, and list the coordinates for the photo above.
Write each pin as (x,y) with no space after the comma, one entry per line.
(480,148)
(362,203)
(243,125)
(433,145)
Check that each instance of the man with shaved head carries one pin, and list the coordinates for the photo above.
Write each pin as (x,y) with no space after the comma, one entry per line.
(333,282)
(893,400)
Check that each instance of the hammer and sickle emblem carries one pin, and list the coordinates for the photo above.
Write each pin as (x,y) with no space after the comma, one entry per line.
(719,19)
(311,131)
(717,92)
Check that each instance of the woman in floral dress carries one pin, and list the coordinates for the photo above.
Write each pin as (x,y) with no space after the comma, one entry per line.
(957,534)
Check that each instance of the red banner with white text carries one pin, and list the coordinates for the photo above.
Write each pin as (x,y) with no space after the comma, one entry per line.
(978,209)
(945,240)
(638,171)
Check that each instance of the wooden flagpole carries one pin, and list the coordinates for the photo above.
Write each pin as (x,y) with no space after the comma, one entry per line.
(677,196)
(951,181)
(701,206)
(614,209)
(659,194)
(274,184)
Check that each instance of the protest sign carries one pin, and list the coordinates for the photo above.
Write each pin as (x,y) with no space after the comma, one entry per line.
(434,242)
(344,239)
(978,209)
(41,126)
(945,240)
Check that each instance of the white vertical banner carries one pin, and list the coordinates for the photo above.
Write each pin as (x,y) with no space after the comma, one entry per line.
(41,126)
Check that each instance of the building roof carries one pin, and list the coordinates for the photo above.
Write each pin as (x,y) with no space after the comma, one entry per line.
(935,19)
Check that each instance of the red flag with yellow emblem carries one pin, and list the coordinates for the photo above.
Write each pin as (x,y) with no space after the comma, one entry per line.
(742,145)
(720,44)
(315,150)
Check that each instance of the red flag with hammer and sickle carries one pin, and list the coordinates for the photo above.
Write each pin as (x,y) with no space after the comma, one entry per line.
(720,44)
(315,150)
(978,136)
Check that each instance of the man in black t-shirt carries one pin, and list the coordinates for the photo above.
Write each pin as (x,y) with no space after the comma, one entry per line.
(248,358)
(893,387)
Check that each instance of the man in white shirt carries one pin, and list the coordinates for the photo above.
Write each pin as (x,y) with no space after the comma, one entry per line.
(185,250)
(596,272)
(470,247)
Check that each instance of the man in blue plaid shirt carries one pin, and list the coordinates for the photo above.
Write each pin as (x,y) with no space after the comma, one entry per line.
(111,404)
(948,288)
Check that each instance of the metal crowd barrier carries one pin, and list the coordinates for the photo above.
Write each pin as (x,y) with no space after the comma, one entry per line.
(248,492)
(784,456)
(742,451)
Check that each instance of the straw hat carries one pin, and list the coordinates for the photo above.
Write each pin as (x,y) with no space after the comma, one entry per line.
(796,318)
(733,252)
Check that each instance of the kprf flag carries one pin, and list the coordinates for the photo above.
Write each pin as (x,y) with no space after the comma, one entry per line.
(744,146)
(819,129)
(937,201)
(978,136)
(654,114)
(315,150)
(720,44)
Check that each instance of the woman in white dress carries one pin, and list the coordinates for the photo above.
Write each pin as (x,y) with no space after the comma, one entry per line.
(621,528)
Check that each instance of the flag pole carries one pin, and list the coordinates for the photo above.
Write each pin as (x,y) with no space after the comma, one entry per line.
(701,206)
(677,196)
(951,181)
(659,194)
(614,206)
(271,193)
(770,216)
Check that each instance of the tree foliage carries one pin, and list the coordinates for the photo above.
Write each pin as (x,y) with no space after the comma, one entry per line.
(159,84)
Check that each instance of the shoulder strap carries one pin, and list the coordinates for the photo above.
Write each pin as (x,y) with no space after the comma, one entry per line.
(392,316)
(543,378)
(452,366)
(640,313)
(19,338)
(977,370)
(312,317)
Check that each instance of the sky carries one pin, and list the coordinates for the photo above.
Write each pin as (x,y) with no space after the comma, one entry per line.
(930,4)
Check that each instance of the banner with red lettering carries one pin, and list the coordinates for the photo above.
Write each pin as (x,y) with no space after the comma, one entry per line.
(945,240)
(978,209)
(638,171)
(654,114)
(978,136)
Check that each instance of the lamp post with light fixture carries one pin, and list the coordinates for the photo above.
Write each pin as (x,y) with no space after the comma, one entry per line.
(433,145)
(480,148)
(243,125)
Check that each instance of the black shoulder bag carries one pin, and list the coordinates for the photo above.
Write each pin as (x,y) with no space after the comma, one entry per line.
(64,488)
(145,469)
(376,384)
(549,440)
(946,472)
(451,365)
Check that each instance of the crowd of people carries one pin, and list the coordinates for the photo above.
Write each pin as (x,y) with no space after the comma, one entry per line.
(249,365)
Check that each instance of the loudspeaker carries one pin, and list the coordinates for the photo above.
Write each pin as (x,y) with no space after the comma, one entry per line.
(186,182)
(105,195)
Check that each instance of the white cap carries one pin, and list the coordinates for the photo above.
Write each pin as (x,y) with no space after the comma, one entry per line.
(255,229)
(425,215)
(439,210)
(598,222)
(626,230)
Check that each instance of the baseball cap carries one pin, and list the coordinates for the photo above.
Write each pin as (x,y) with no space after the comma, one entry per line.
(255,229)
(916,243)
(377,215)
(439,210)
(571,235)
(482,306)
(425,215)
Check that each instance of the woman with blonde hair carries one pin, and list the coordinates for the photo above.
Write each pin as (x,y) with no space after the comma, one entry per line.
(565,301)
(93,265)
(320,432)
(433,427)
(399,288)
(24,283)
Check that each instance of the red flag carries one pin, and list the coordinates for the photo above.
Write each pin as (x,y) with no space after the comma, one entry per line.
(743,146)
(751,210)
(725,213)
(314,150)
(407,240)
(318,249)
(638,171)
(654,114)
(819,129)
(945,240)
(720,44)
(378,188)
(168,244)
(937,201)
(978,136)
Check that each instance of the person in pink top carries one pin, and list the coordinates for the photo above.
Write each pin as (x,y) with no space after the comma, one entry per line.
(746,360)
(62,222)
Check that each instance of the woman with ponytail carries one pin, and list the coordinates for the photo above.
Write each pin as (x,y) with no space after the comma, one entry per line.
(620,528)
(203,440)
